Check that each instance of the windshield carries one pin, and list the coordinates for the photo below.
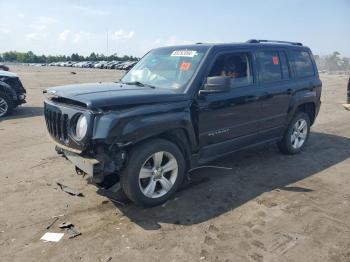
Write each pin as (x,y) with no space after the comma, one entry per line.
(170,68)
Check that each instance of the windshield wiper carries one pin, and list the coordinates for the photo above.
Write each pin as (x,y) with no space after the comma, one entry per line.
(138,83)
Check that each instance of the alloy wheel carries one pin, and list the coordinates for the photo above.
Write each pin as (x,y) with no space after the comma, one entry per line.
(299,134)
(3,107)
(158,174)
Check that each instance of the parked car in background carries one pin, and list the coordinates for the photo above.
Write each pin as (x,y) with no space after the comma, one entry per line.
(79,64)
(100,64)
(12,92)
(121,65)
(86,64)
(110,64)
(116,64)
(129,65)
(4,67)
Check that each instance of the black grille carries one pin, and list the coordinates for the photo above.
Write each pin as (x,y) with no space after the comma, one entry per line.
(57,124)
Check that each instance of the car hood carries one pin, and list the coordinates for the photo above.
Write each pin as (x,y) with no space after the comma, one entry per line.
(7,74)
(99,95)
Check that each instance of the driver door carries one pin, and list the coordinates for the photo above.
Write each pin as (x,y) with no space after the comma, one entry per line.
(229,121)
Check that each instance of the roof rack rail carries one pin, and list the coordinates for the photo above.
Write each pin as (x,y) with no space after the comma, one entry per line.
(255,41)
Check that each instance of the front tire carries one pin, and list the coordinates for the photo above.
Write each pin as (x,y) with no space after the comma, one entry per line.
(296,135)
(6,105)
(153,172)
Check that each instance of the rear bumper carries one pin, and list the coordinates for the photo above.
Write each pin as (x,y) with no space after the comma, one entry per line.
(318,108)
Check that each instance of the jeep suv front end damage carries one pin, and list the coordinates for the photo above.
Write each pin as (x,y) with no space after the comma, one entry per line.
(71,127)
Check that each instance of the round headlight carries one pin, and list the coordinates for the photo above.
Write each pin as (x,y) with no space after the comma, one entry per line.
(81,128)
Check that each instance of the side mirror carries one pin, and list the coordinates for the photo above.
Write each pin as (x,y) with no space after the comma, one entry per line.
(216,84)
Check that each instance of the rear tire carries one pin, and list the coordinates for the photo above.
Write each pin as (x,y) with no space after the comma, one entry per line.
(6,105)
(296,135)
(154,171)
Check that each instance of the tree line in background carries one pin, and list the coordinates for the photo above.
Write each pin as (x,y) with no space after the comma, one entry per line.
(333,62)
(30,57)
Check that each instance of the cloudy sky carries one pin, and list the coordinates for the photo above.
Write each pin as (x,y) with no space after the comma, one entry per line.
(134,27)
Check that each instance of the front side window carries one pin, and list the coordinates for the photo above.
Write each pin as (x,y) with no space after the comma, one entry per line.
(269,66)
(236,66)
(166,68)
(303,64)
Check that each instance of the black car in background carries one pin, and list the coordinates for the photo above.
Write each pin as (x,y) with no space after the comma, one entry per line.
(129,65)
(4,67)
(12,92)
(183,106)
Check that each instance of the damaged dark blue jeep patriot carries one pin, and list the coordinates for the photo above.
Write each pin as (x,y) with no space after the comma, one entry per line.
(182,106)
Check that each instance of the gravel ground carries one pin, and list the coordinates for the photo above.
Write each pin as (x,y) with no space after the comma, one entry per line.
(269,207)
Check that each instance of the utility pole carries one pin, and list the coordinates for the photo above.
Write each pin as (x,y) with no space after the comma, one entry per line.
(107,46)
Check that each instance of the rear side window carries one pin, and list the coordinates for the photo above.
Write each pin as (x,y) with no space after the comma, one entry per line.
(235,65)
(303,64)
(270,69)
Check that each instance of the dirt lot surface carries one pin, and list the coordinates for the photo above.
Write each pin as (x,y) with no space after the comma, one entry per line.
(269,207)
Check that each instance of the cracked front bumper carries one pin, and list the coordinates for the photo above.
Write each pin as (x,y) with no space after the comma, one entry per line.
(90,166)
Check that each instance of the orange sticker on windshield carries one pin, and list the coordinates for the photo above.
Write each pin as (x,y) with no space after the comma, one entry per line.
(185,66)
(275,60)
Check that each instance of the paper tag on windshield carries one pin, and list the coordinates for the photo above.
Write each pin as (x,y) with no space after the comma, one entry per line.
(184,53)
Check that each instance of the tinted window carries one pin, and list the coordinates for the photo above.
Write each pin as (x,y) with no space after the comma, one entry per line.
(303,64)
(235,65)
(269,66)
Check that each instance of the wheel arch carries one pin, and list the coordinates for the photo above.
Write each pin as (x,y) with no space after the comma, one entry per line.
(180,138)
(304,103)
(177,136)
(310,109)
(5,88)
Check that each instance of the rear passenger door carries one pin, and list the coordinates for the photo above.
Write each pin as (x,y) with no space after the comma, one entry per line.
(274,75)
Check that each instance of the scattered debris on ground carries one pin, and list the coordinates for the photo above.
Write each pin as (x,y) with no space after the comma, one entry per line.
(52,237)
(70,190)
(72,231)
(52,223)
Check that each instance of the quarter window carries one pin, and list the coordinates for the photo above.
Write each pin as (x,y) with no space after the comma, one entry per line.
(235,65)
(303,64)
(269,66)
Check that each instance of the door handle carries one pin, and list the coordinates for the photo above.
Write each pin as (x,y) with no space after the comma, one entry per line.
(251,99)
(265,95)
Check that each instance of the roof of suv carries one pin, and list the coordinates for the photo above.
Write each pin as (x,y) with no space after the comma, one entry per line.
(250,43)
